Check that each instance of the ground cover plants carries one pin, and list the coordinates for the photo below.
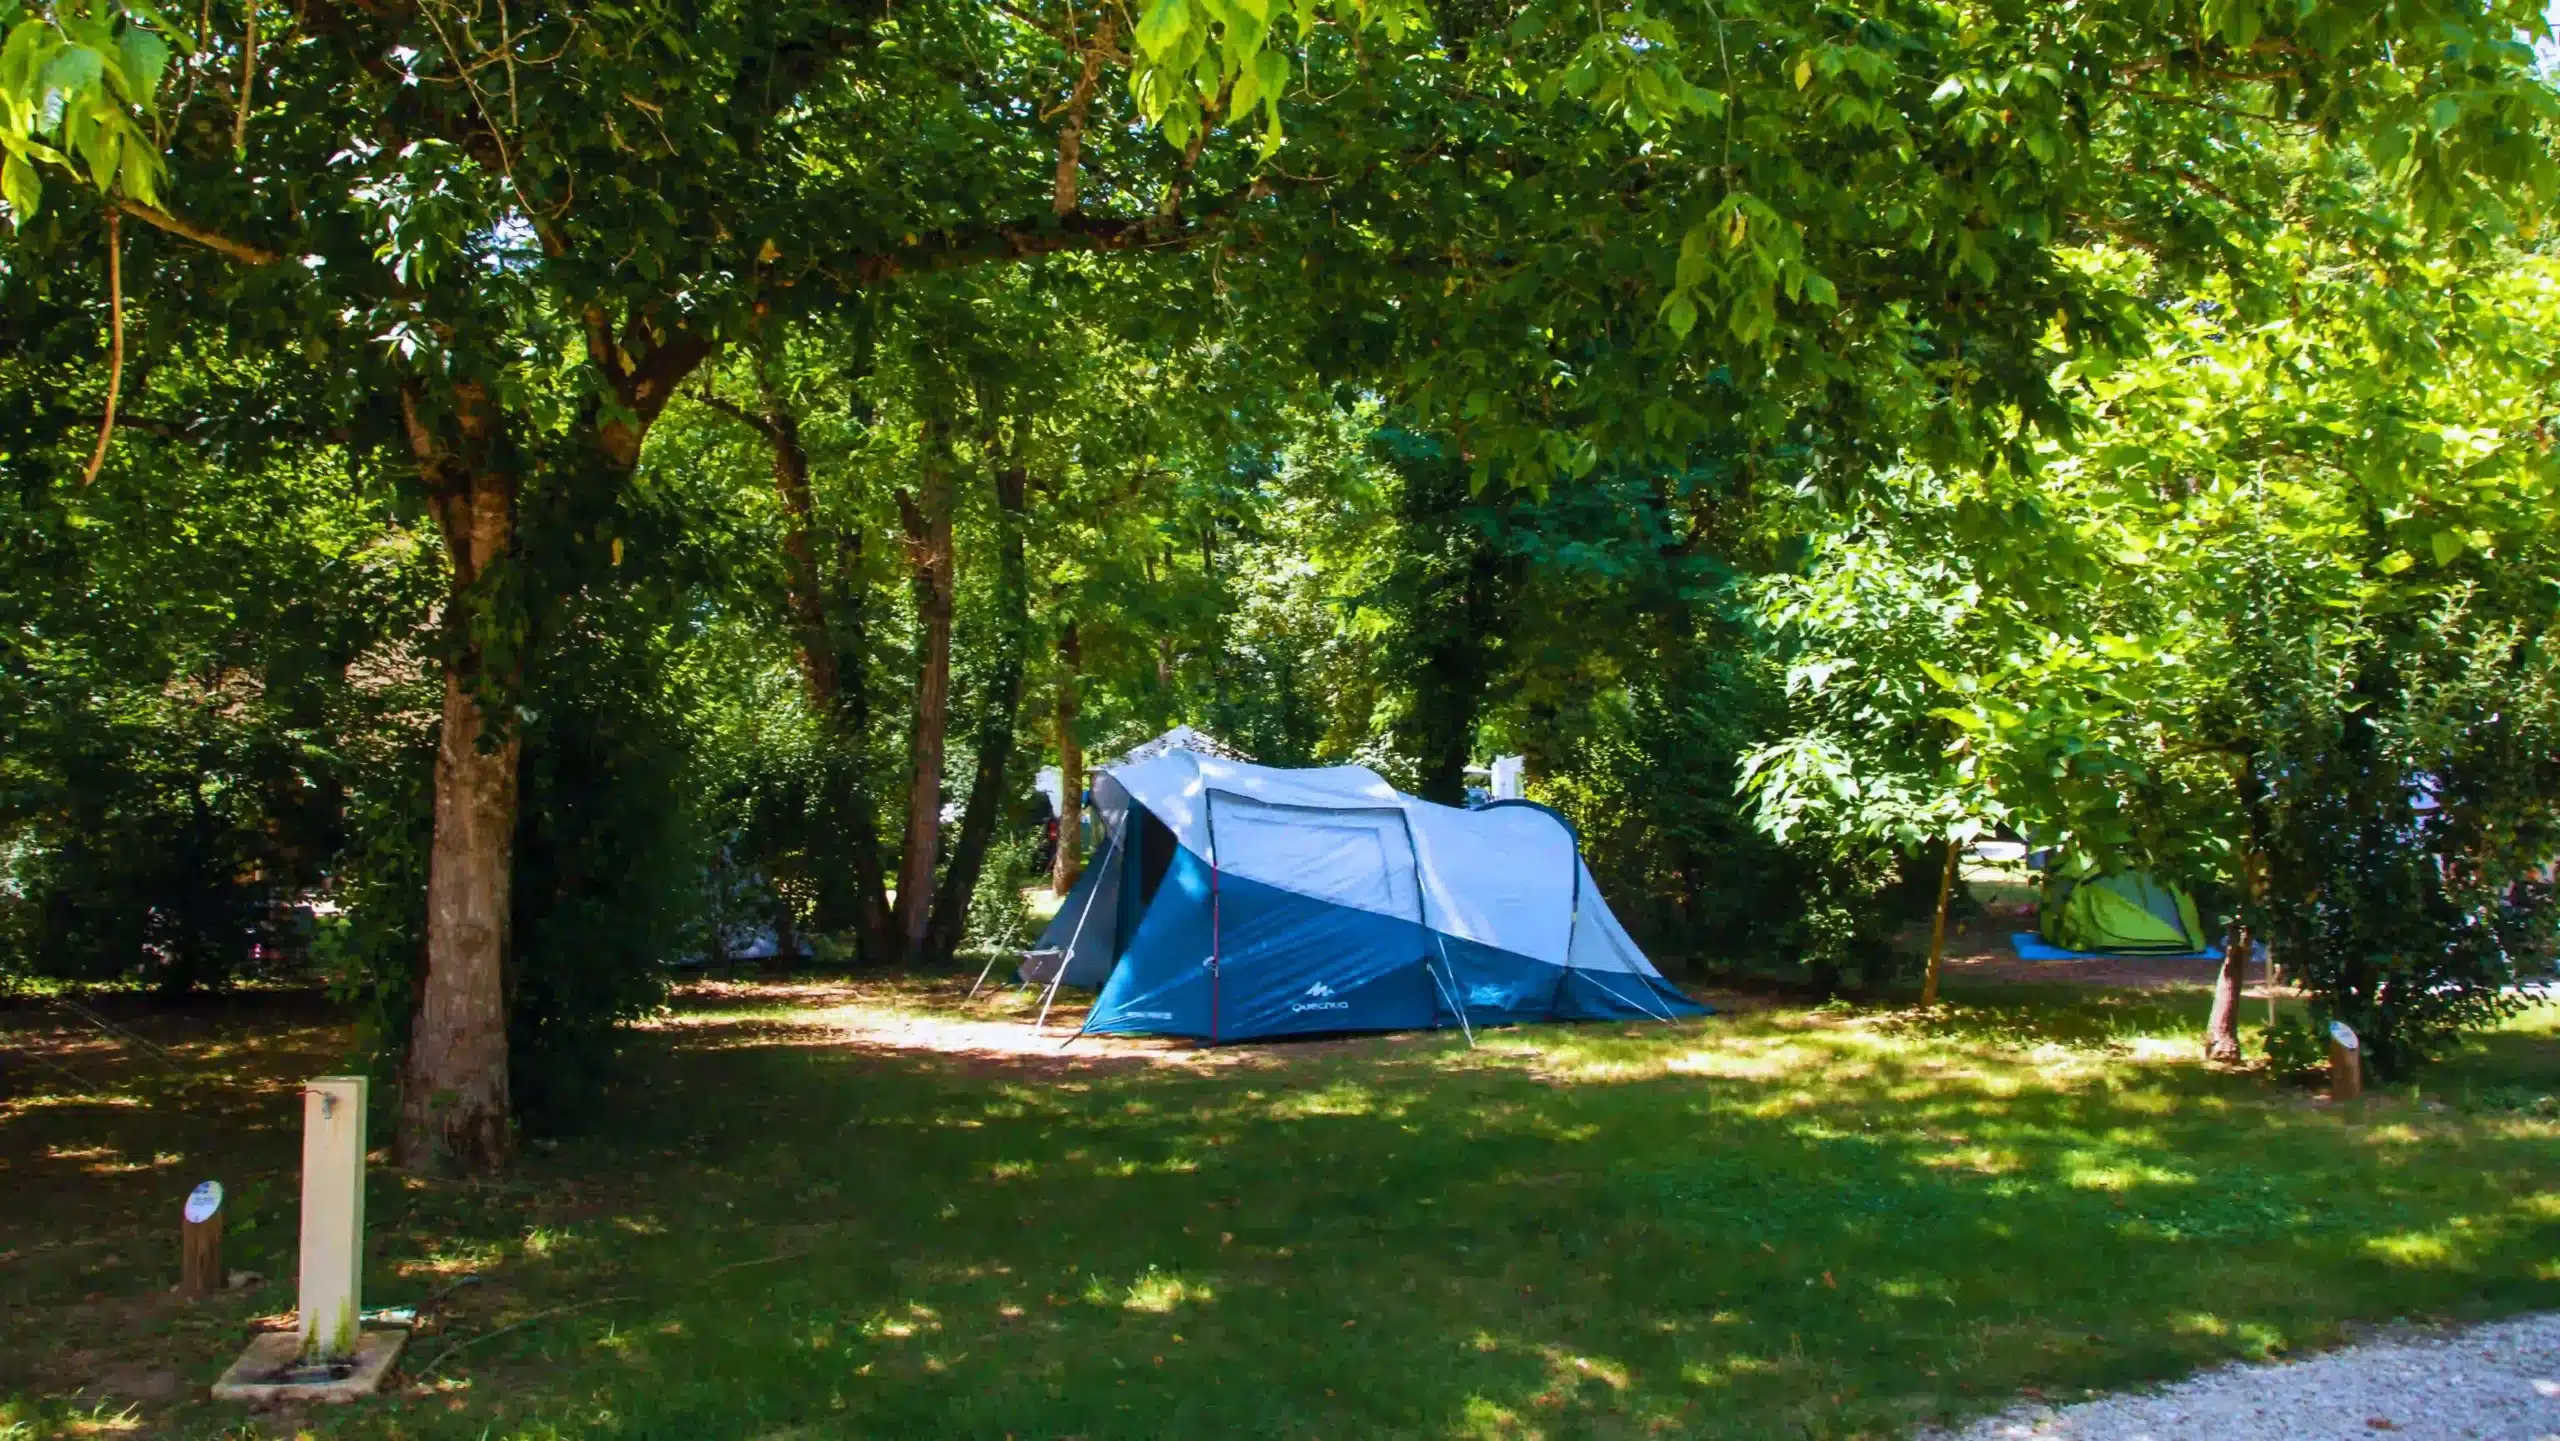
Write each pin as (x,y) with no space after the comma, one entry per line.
(866,1209)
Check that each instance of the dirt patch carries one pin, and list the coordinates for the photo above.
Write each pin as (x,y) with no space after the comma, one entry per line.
(1981,950)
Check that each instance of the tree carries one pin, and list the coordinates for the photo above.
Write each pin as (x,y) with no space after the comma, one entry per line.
(1568,239)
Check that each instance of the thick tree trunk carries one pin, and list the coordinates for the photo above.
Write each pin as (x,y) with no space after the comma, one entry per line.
(454,1110)
(454,1107)
(1067,865)
(1003,708)
(928,524)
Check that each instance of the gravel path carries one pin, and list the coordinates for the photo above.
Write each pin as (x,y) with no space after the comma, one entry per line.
(2492,1383)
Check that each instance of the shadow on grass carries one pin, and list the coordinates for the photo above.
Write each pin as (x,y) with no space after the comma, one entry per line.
(1785,1226)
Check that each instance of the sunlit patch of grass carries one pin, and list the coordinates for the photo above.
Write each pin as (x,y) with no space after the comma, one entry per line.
(96,1160)
(2413,1248)
(2090,1173)
(1343,1098)
(1163,1292)
(49,1100)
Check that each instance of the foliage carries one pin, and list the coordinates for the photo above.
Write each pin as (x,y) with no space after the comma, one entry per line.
(1635,386)
(2296,1048)
(2409,832)
(77,81)
(607,854)
(1000,917)
(208,662)
(2276,630)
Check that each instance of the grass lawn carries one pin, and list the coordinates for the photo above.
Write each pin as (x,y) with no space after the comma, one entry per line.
(1774,1223)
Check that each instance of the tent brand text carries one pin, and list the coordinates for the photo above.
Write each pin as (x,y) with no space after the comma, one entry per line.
(1320,996)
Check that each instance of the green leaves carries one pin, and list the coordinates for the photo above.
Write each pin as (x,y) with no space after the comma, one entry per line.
(72,83)
(1163,29)
(1197,58)
(19,188)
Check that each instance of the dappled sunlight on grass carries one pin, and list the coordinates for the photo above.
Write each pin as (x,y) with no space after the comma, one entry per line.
(1836,1222)
(1156,1291)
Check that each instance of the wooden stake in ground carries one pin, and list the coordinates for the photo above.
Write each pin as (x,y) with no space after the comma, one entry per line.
(1938,927)
(200,1241)
(2346,1063)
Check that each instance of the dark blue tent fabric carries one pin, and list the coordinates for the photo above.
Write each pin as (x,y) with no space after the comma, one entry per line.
(1292,964)
(1287,963)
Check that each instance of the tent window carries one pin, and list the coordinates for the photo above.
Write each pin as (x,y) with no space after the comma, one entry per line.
(1351,857)
(1156,846)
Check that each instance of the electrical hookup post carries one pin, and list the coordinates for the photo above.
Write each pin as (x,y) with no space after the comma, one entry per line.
(328,1356)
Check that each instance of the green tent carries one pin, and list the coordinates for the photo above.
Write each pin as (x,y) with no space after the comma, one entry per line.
(2120,912)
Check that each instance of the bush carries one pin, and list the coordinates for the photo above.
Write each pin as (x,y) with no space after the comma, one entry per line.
(2408,821)
(2295,1050)
(1000,917)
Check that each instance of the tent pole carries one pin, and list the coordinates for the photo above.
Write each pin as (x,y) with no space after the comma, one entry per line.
(1048,998)
(1572,926)
(1209,810)
(1073,936)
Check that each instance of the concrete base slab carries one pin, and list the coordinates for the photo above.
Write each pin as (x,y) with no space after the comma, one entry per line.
(269,1373)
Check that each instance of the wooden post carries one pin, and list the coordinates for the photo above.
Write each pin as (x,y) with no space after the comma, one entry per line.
(2346,1063)
(1938,928)
(200,1241)
(333,1147)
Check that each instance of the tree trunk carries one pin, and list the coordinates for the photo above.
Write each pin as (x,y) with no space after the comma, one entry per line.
(802,584)
(928,524)
(833,673)
(2222,1024)
(2222,1029)
(1459,584)
(786,933)
(1938,927)
(995,731)
(454,1107)
(454,1110)
(1067,865)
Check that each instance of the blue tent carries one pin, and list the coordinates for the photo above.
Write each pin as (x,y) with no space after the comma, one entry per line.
(1230,901)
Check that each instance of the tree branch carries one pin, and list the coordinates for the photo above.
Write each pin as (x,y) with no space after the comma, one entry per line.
(738,413)
(1071,134)
(245,253)
(1032,238)
(115,342)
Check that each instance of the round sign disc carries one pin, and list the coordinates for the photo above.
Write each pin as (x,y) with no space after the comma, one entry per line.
(2343,1034)
(203,1201)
